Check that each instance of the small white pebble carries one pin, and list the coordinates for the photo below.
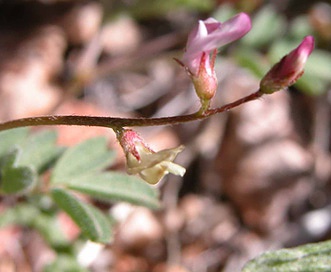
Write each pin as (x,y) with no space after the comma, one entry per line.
(317,222)
(89,253)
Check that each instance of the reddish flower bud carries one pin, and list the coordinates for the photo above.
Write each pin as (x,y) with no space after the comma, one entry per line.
(205,82)
(289,69)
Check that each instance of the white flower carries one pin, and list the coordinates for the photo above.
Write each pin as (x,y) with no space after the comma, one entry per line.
(153,166)
(149,165)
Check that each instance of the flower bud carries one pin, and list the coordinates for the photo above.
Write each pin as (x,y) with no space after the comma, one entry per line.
(205,82)
(289,69)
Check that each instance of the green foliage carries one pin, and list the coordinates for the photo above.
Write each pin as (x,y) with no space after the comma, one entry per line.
(266,25)
(80,169)
(26,214)
(15,179)
(300,27)
(22,157)
(11,138)
(20,214)
(94,225)
(308,258)
(25,157)
(253,60)
(317,73)
(49,227)
(116,186)
(85,158)
(39,150)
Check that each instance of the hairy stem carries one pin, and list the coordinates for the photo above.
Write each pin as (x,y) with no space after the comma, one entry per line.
(117,122)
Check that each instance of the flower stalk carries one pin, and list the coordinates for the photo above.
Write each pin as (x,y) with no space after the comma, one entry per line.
(118,122)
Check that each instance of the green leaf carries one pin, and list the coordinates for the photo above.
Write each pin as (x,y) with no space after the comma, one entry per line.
(11,157)
(253,60)
(15,179)
(268,25)
(12,137)
(39,150)
(21,214)
(300,26)
(308,258)
(117,186)
(28,215)
(311,85)
(90,156)
(92,222)
(319,65)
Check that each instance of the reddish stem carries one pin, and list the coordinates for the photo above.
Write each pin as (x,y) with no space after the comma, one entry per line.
(117,122)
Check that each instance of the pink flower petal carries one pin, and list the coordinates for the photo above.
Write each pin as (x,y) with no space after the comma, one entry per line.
(211,34)
(296,59)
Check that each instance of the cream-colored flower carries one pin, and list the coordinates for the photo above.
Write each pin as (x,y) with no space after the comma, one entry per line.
(149,165)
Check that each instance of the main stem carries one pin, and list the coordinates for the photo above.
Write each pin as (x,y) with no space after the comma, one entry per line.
(116,122)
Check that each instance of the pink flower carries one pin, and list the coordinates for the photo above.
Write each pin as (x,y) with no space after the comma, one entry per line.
(209,35)
(289,69)
(201,50)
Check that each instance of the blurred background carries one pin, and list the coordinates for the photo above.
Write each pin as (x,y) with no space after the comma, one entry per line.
(258,177)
